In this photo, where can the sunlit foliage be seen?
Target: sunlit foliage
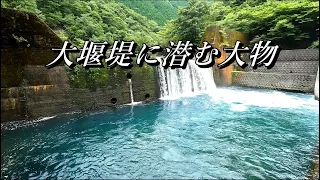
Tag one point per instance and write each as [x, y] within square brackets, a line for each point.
[291, 24]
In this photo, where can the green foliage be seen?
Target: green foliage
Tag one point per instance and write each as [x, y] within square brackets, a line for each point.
[79, 77]
[288, 23]
[240, 2]
[168, 33]
[193, 20]
[23, 5]
[291, 24]
[178, 4]
[159, 11]
[89, 78]
[314, 45]
[190, 25]
[94, 20]
[97, 20]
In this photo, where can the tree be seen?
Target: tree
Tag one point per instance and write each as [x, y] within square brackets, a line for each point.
[191, 23]
[23, 5]
[290, 24]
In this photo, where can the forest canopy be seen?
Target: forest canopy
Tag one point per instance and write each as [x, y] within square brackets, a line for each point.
[290, 23]
[95, 20]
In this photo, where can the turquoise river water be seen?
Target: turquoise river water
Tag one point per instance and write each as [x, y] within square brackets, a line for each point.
[235, 133]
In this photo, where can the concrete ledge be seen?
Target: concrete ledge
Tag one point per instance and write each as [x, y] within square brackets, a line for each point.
[289, 67]
[31, 102]
[291, 82]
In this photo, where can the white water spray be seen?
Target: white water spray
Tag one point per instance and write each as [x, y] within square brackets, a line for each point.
[185, 82]
[131, 91]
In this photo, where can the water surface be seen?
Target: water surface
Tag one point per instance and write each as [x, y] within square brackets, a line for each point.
[233, 133]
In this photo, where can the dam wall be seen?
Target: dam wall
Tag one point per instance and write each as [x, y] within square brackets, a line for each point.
[295, 70]
[29, 90]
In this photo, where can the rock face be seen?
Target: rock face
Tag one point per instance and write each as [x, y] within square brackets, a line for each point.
[29, 90]
[316, 87]
[219, 38]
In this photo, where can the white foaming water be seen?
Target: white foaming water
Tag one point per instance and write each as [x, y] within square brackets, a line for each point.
[193, 80]
[240, 99]
[131, 91]
[24, 123]
[134, 103]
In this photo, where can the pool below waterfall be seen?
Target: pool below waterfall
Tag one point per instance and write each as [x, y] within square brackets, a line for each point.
[234, 133]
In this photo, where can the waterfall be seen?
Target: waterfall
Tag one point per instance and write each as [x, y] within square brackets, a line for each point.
[131, 91]
[185, 82]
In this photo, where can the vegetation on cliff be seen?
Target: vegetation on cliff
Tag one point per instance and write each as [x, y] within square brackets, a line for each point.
[291, 24]
[95, 20]
[159, 11]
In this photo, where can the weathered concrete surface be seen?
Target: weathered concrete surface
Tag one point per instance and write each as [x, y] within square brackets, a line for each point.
[26, 44]
[29, 90]
[47, 92]
[295, 70]
[25, 40]
[316, 87]
[291, 82]
[30, 102]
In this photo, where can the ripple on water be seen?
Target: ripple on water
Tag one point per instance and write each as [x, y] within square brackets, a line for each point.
[240, 133]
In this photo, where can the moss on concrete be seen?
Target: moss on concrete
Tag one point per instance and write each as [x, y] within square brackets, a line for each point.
[25, 40]
[29, 90]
